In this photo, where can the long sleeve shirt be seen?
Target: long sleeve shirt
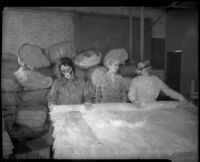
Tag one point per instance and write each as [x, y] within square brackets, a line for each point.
[111, 90]
[147, 88]
[65, 92]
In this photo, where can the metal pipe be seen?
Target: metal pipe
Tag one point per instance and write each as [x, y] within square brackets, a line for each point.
[142, 32]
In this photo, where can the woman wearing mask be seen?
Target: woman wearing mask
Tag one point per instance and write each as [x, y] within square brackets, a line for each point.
[146, 87]
[112, 88]
[68, 89]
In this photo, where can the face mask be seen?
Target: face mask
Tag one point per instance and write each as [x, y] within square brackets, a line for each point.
[67, 75]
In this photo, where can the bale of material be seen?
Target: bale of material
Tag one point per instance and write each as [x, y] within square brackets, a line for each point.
[9, 98]
[128, 70]
[31, 122]
[59, 50]
[33, 56]
[32, 116]
[9, 57]
[79, 73]
[88, 58]
[32, 80]
[33, 98]
[48, 72]
[9, 85]
[8, 110]
[119, 54]
[8, 68]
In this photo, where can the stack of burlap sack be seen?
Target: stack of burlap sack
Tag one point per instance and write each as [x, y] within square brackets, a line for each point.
[28, 76]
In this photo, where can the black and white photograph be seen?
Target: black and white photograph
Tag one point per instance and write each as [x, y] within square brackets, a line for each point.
[100, 82]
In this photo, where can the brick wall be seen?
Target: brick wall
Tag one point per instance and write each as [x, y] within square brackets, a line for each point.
[44, 28]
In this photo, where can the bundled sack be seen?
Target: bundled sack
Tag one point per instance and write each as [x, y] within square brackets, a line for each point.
[48, 72]
[32, 56]
[32, 80]
[8, 110]
[33, 98]
[119, 54]
[59, 50]
[31, 122]
[128, 70]
[9, 57]
[9, 98]
[88, 58]
[79, 73]
[8, 68]
[9, 85]
[33, 116]
[96, 74]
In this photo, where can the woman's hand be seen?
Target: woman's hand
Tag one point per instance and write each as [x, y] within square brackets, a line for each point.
[51, 107]
[88, 106]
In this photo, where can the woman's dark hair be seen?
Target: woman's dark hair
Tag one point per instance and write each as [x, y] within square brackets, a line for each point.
[66, 62]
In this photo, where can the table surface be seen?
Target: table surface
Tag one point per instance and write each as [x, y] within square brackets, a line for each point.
[165, 129]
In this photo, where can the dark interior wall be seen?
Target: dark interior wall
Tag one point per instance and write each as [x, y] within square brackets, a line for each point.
[106, 32]
[182, 34]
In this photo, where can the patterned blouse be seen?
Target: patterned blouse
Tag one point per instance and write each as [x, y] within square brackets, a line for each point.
[147, 88]
[111, 90]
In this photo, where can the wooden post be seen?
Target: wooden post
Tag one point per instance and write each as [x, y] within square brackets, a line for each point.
[142, 33]
[130, 34]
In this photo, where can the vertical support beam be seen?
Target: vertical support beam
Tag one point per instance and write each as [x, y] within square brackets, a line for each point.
[130, 34]
[142, 32]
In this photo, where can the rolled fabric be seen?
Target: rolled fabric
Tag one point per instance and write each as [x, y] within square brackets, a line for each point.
[88, 58]
[59, 50]
[9, 85]
[119, 54]
[32, 80]
[32, 56]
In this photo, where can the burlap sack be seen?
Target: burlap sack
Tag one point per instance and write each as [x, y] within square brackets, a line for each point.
[59, 50]
[32, 56]
[9, 57]
[33, 98]
[9, 98]
[9, 85]
[88, 58]
[119, 54]
[8, 110]
[32, 116]
[48, 72]
[32, 80]
[8, 68]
